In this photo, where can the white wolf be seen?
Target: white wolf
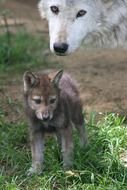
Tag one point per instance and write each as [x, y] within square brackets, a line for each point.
[71, 22]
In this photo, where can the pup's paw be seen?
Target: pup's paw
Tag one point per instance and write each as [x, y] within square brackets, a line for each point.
[68, 166]
[123, 158]
[34, 171]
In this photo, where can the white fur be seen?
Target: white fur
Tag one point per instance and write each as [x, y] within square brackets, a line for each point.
[105, 23]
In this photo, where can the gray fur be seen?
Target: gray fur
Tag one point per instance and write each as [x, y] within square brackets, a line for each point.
[67, 112]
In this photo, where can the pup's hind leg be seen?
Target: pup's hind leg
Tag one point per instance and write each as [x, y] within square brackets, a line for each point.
[82, 134]
[80, 126]
[67, 147]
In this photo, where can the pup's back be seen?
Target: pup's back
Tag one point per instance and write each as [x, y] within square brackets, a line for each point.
[70, 96]
[68, 86]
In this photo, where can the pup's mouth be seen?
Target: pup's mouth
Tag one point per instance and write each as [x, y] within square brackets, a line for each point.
[44, 117]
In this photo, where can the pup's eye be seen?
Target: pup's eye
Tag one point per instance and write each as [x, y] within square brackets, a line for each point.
[52, 100]
[37, 101]
[81, 13]
[54, 9]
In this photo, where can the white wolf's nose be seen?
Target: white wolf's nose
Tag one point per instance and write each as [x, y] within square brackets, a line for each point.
[60, 47]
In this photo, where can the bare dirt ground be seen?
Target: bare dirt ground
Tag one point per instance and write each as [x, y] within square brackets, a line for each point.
[102, 74]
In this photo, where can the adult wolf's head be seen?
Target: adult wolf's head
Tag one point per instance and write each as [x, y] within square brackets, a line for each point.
[69, 22]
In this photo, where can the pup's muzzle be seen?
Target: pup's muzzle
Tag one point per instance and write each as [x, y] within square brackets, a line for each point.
[44, 116]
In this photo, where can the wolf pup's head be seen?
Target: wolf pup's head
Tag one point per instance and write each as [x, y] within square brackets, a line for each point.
[69, 21]
[42, 93]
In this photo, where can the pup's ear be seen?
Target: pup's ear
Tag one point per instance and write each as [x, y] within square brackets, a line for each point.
[42, 8]
[29, 80]
[57, 77]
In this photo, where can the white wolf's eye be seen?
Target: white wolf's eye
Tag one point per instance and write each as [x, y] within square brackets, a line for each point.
[81, 13]
[54, 9]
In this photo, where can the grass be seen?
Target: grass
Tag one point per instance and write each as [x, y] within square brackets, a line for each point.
[22, 52]
[97, 167]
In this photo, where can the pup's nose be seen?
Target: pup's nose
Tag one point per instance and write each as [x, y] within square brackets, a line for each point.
[60, 47]
[45, 116]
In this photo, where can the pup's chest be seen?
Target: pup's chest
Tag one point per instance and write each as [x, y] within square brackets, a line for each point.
[54, 124]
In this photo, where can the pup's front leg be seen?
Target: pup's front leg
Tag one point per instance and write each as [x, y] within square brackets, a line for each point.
[37, 149]
[67, 147]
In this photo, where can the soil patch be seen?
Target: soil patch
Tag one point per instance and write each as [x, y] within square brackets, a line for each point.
[102, 74]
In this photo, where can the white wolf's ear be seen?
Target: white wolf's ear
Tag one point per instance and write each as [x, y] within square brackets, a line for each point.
[29, 80]
[57, 77]
[42, 8]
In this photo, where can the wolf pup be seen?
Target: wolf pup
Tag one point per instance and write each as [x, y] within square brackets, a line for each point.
[52, 105]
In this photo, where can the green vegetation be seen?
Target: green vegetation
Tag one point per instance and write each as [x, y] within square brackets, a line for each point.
[97, 167]
[22, 51]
